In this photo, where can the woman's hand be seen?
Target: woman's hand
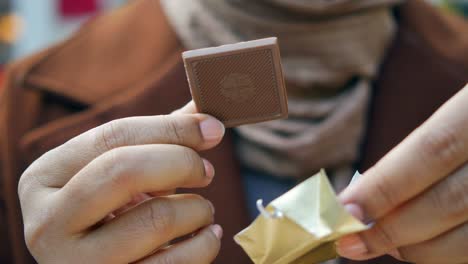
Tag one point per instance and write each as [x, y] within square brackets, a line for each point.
[417, 195]
[102, 197]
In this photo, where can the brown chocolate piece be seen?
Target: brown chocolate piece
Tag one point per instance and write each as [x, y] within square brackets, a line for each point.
[239, 83]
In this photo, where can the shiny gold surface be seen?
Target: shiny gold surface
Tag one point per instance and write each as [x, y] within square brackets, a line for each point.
[313, 220]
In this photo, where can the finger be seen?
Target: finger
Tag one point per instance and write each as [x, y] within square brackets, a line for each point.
[142, 197]
[202, 249]
[450, 247]
[113, 179]
[189, 108]
[431, 214]
[136, 200]
[162, 193]
[140, 231]
[197, 131]
[431, 152]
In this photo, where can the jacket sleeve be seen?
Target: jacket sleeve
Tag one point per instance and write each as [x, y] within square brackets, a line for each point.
[113, 52]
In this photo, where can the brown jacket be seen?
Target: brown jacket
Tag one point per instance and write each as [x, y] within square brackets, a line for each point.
[127, 63]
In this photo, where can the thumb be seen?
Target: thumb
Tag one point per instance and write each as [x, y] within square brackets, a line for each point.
[189, 108]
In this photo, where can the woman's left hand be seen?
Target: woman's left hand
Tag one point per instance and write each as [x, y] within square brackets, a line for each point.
[417, 195]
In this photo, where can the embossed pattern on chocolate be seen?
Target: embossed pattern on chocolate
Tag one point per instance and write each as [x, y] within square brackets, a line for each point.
[238, 83]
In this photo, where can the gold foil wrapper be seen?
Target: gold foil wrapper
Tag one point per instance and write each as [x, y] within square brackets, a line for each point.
[310, 219]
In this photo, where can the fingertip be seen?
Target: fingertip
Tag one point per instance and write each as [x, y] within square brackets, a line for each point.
[212, 208]
[351, 247]
[212, 129]
[355, 210]
[209, 170]
[217, 230]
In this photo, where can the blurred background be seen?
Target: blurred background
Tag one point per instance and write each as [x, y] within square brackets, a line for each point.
[458, 6]
[27, 26]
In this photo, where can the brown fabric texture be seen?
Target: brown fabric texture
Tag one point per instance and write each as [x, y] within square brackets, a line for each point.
[127, 63]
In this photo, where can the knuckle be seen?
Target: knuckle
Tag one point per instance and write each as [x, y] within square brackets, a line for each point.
[173, 129]
[192, 163]
[450, 198]
[407, 254]
[385, 195]
[35, 232]
[24, 183]
[441, 146]
[181, 129]
[32, 235]
[114, 164]
[33, 177]
[437, 199]
[381, 239]
[160, 218]
[114, 134]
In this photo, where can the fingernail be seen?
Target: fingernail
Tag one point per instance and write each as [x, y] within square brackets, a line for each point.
[355, 210]
[211, 129]
[351, 246]
[212, 207]
[209, 169]
[217, 231]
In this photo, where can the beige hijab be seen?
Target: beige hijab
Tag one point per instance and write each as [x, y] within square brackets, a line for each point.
[331, 51]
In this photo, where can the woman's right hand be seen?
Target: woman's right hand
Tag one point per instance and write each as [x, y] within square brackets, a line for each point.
[105, 195]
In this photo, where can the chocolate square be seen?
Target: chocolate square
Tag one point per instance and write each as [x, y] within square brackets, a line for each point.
[238, 83]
